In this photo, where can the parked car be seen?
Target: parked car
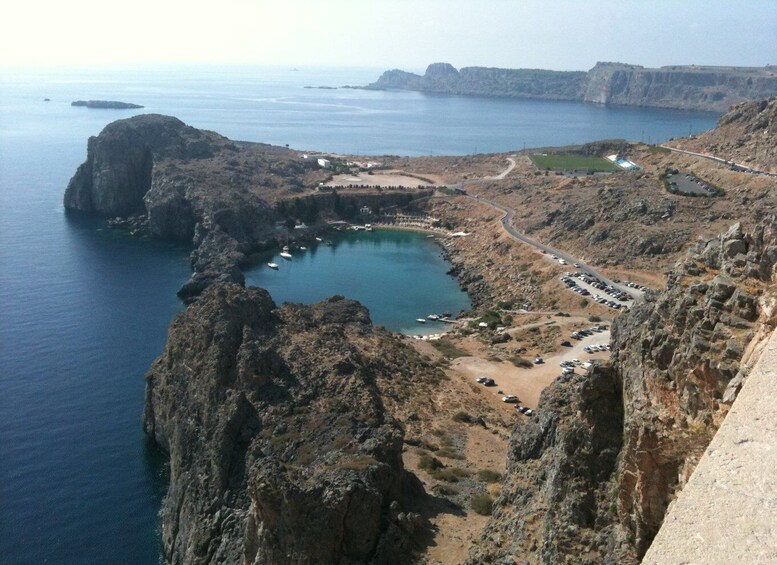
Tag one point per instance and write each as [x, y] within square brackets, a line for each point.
[538, 360]
[481, 379]
[510, 398]
[565, 343]
[489, 382]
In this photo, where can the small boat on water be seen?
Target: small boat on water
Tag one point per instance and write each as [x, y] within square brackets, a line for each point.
[273, 265]
[420, 320]
[303, 248]
[286, 255]
[286, 248]
[432, 317]
[319, 239]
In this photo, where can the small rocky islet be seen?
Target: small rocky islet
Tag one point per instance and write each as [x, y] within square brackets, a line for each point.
[281, 424]
[106, 104]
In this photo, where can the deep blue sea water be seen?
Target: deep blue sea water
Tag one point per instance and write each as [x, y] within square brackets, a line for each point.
[84, 311]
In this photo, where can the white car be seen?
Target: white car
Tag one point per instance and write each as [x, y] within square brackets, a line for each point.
[510, 398]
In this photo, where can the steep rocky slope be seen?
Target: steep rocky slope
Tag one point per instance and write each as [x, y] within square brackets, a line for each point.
[689, 87]
[590, 478]
[744, 135]
[281, 450]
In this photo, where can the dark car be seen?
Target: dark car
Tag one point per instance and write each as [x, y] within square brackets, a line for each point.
[566, 344]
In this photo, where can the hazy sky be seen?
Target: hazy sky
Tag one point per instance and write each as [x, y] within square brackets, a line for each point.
[555, 34]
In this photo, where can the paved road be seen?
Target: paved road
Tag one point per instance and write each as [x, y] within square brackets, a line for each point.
[508, 226]
[746, 168]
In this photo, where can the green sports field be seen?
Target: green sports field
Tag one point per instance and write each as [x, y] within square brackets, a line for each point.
[573, 162]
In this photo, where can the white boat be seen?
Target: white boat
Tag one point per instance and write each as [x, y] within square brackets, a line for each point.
[432, 317]
[286, 255]
[420, 320]
[319, 239]
[303, 248]
[286, 248]
[273, 265]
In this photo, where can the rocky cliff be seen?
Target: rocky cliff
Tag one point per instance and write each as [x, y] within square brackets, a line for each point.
[687, 87]
[590, 478]
[281, 450]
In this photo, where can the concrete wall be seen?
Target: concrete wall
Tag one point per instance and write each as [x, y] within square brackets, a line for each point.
[727, 513]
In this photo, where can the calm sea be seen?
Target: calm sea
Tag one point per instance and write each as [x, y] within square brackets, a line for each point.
[85, 310]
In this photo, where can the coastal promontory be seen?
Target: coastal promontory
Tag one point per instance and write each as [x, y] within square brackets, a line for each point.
[688, 87]
[162, 177]
[281, 449]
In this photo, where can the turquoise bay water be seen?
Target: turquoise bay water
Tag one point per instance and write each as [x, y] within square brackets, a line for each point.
[398, 275]
[85, 311]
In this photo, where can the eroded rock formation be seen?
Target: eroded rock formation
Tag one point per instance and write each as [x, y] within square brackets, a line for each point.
[281, 450]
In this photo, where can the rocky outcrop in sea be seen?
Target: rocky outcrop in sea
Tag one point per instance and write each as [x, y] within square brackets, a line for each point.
[281, 450]
[590, 478]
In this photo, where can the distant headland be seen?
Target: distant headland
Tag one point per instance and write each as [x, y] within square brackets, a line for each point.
[688, 87]
[106, 104]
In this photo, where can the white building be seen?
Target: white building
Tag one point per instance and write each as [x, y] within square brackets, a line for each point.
[324, 163]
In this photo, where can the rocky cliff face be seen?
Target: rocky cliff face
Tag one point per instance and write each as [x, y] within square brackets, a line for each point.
[592, 483]
[281, 450]
[688, 87]
[697, 88]
[119, 162]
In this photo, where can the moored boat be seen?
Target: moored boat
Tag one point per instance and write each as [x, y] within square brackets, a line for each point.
[286, 255]
[420, 320]
[273, 265]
